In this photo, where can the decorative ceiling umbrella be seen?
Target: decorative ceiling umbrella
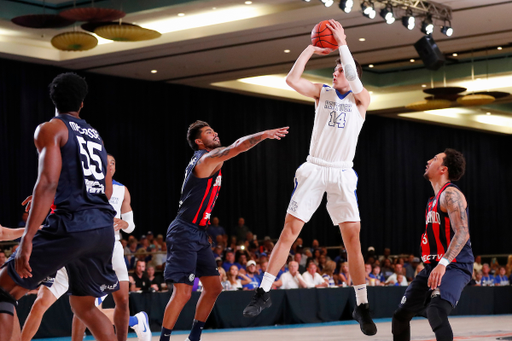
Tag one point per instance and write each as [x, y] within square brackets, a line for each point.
[74, 41]
[125, 32]
[42, 20]
[92, 14]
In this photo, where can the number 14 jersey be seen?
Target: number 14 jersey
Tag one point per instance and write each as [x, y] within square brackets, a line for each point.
[337, 126]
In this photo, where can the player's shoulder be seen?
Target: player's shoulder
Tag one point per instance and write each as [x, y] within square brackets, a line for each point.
[117, 183]
[452, 195]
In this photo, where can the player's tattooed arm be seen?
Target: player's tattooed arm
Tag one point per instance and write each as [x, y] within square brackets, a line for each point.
[455, 204]
[244, 144]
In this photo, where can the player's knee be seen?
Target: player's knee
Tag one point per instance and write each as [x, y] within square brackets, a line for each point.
[7, 303]
[182, 292]
[401, 320]
[437, 314]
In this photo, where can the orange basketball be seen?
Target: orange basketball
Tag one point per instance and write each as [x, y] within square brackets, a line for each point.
[321, 36]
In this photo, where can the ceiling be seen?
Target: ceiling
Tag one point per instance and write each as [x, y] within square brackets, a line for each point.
[232, 46]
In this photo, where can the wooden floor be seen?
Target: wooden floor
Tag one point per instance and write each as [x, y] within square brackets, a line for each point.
[474, 328]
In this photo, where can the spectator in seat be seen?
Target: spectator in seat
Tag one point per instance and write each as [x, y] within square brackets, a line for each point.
[487, 278]
[235, 280]
[501, 278]
[508, 267]
[252, 274]
[229, 261]
[155, 280]
[292, 279]
[376, 275]
[139, 281]
[313, 278]
[394, 278]
[343, 277]
[477, 265]
[328, 273]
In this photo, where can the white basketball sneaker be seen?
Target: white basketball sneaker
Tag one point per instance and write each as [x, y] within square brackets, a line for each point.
[142, 327]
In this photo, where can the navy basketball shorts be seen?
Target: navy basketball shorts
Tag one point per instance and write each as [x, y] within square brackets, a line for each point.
[189, 254]
[86, 255]
[417, 295]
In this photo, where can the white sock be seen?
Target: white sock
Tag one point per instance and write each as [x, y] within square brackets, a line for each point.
[267, 281]
[361, 294]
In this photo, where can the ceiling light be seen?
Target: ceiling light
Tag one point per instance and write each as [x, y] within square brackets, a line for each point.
[447, 30]
[306, 0]
[286, 51]
[327, 3]
[154, 71]
[487, 113]
[454, 54]
[427, 26]
[500, 48]
[346, 5]
[362, 39]
[368, 9]
[409, 21]
[248, 2]
[423, 85]
[387, 14]
[181, 14]
[412, 60]
[370, 66]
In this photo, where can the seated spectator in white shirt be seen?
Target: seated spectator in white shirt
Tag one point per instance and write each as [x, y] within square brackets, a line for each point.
[235, 280]
[313, 278]
[328, 273]
[501, 278]
[291, 279]
[393, 279]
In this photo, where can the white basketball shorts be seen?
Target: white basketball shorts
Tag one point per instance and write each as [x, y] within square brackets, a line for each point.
[312, 181]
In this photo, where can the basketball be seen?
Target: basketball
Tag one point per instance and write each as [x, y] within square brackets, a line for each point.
[321, 36]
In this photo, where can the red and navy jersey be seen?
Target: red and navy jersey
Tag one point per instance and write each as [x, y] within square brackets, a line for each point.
[198, 195]
[80, 203]
[438, 233]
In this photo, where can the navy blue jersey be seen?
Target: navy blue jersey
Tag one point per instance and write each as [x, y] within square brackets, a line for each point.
[439, 233]
[80, 202]
[198, 195]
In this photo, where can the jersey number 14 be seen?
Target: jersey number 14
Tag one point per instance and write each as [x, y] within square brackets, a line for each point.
[337, 119]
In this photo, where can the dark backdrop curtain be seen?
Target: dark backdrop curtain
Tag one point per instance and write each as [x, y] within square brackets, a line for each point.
[144, 126]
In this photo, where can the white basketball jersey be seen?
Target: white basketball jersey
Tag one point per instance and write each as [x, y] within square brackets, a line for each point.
[337, 126]
[116, 200]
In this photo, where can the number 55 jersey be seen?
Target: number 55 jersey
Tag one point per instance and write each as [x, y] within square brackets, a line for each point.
[80, 202]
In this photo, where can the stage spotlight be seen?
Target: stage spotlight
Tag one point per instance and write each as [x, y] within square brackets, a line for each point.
[346, 5]
[447, 30]
[387, 14]
[427, 26]
[368, 9]
[327, 3]
[409, 21]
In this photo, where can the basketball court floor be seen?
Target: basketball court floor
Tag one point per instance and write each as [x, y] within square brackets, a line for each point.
[473, 328]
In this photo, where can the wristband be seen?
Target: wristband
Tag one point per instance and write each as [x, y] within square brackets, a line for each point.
[444, 261]
[128, 217]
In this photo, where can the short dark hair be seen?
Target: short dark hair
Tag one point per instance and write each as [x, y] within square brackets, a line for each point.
[358, 67]
[194, 131]
[68, 91]
[455, 162]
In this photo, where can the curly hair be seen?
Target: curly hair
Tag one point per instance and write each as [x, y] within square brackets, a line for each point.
[455, 162]
[194, 131]
[68, 91]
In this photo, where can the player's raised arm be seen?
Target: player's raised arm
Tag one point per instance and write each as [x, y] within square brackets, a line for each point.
[241, 145]
[294, 78]
[349, 66]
